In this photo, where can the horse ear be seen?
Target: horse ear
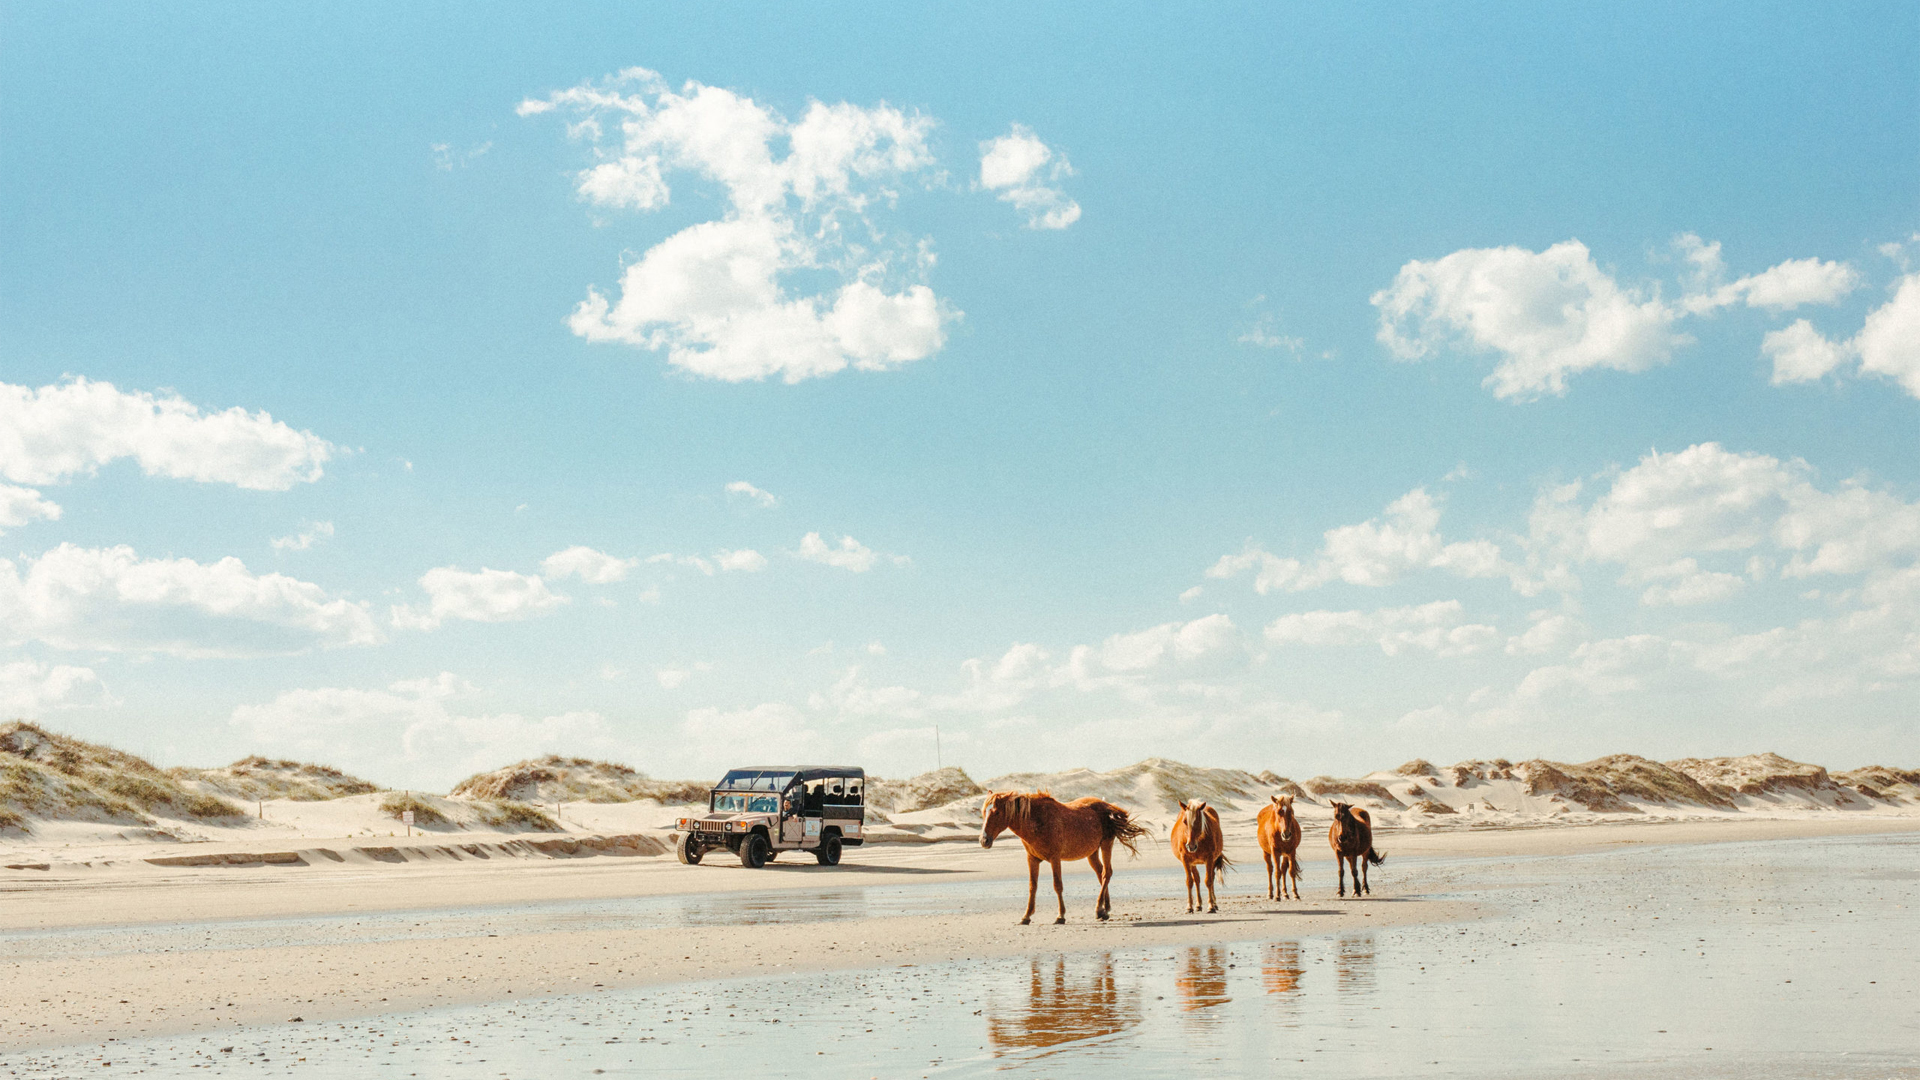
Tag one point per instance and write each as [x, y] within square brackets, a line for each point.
[1183, 804]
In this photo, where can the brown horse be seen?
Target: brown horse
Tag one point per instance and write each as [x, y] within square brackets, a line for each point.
[1351, 835]
[1279, 833]
[1053, 830]
[1198, 842]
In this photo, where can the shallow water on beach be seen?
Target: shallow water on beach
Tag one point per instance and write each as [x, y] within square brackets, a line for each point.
[1777, 958]
[834, 904]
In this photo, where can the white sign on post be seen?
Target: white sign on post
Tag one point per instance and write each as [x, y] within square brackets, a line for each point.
[406, 816]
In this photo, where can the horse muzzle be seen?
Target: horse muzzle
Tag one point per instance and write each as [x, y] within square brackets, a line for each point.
[986, 841]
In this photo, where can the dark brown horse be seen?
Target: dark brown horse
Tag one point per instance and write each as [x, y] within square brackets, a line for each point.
[1198, 842]
[1053, 830]
[1351, 835]
[1279, 834]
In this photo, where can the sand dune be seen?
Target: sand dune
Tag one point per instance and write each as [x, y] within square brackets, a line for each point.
[57, 792]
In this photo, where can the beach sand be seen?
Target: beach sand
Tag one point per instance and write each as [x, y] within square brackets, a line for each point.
[110, 952]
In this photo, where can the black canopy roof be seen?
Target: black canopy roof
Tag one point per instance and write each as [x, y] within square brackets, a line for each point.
[805, 772]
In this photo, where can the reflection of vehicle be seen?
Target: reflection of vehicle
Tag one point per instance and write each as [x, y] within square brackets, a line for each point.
[757, 812]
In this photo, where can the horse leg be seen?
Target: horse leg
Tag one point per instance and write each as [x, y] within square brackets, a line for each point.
[1339, 861]
[1213, 903]
[1283, 878]
[1033, 886]
[1268, 855]
[1099, 875]
[1059, 893]
[1293, 867]
[1360, 867]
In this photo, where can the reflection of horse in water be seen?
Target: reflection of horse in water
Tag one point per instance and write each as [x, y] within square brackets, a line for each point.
[1279, 834]
[1198, 842]
[1053, 830]
[1282, 968]
[1063, 1007]
[1202, 981]
[1351, 835]
[1353, 964]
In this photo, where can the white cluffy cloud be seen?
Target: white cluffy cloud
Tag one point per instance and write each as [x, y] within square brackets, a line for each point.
[413, 732]
[590, 566]
[849, 554]
[1024, 171]
[1551, 314]
[1374, 553]
[52, 433]
[1781, 287]
[753, 494]
[715, 296]
[31, 687]
[314, 533]
[477, 596]
[1439, 628]
[1888, 344]
[1665, 520]
[110, 599]
[19, 506]
[1545, 314]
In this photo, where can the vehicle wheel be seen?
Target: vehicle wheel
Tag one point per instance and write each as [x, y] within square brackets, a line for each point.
[754, 851]
[828, 852]
[688, 852]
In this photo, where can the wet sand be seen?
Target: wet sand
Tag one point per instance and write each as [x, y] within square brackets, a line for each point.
[137, 952]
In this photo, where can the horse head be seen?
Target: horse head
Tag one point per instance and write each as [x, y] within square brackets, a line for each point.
[1195, 815]
[998, 814]
[1283, 805]
[1342, 812]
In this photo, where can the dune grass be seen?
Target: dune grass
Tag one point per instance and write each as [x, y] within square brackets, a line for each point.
[512, 814]
[424, 813]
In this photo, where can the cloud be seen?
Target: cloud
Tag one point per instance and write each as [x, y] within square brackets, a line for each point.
[412, 729]
[1545, 315]
[305, 538]
[55, 432]
[590, 566]
[1778, 288]
[746, 560]
[1374, 553]
[1437, 628]
[1800, 354]
[747, 491]
[1659, 518]
[20, 506]
[777, 731]
[32, 687]
[110, 599]
[851, 554]
[480, 596]
[1024, 171]
[715, 296]
[1548, 633]
[1889, 343]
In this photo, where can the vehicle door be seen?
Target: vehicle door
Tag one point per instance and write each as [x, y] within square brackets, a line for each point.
[793, 821]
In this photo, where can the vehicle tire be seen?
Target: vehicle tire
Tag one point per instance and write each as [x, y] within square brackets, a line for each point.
[754, 851]
[688, 852]
[829, 851]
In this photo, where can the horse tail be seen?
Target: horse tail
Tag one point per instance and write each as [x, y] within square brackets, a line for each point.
[1222, 864]
[1115, 824]
[1375, 857]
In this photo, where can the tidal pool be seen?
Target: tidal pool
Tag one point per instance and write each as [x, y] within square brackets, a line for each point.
[1772, 959]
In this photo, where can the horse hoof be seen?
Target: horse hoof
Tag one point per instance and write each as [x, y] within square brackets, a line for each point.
[1061, 921]
[1024, 922]
[1102, 916]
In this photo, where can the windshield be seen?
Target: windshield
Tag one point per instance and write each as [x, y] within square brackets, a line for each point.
[724, 803]
[754, 780]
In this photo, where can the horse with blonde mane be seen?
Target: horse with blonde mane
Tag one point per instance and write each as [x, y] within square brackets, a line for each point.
[1279, 833]
[1052, 831]
[1351, 835]
[1198, 842]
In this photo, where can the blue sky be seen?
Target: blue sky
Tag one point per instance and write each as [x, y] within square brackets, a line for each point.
[1203, 385]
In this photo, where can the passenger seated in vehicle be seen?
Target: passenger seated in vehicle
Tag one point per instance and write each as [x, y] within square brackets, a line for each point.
[853, 793]
[835, 796]
[816, 795]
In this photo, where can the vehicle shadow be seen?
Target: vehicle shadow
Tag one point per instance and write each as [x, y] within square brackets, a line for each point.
[856, 868]
[1190, 922]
